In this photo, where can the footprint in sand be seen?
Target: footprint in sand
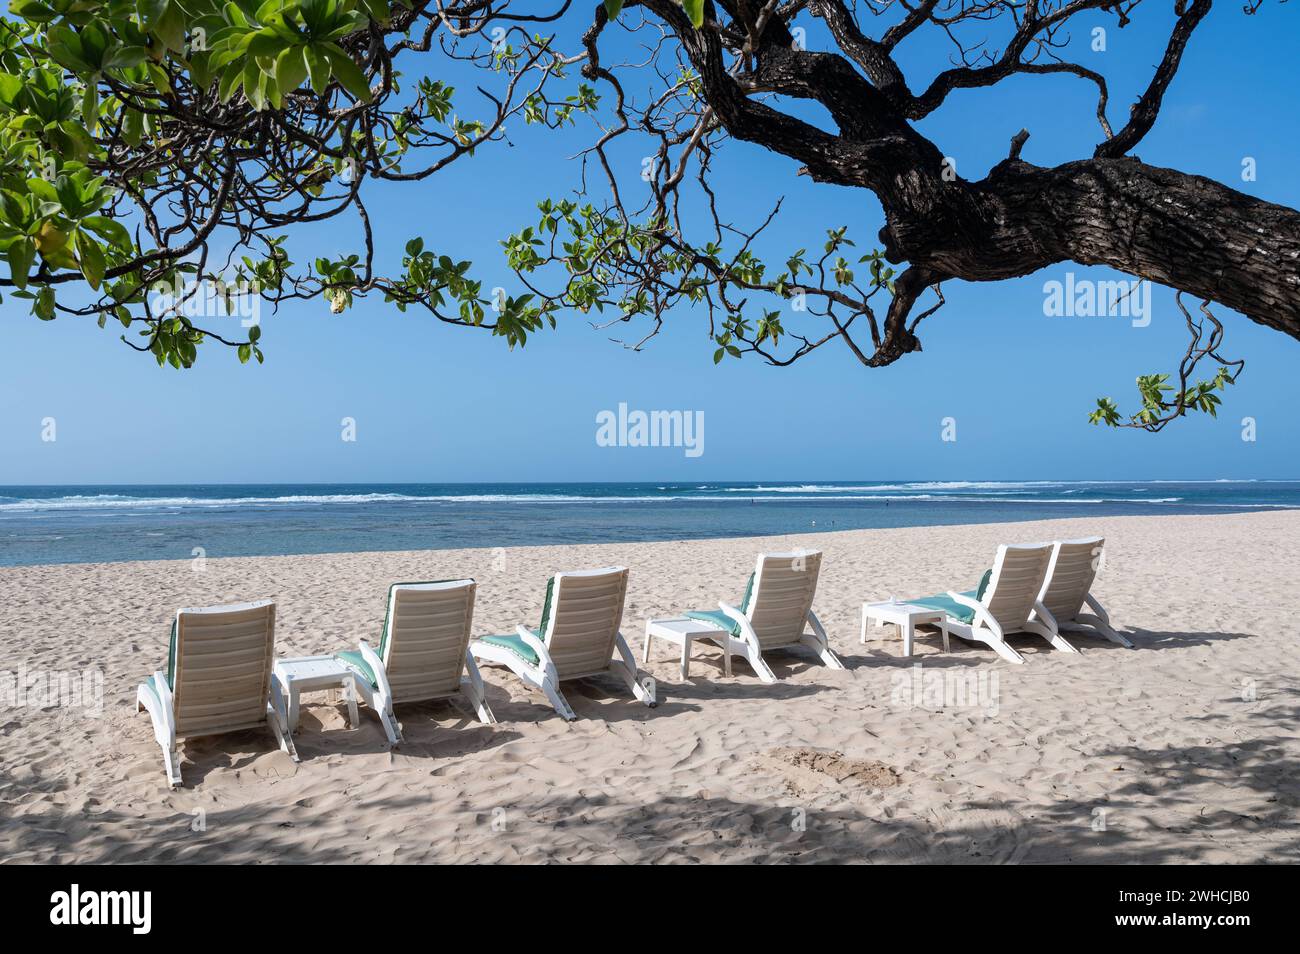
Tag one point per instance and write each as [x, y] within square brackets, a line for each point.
[821, 765]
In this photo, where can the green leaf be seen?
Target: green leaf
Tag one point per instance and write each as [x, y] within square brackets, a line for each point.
[695, 10]
[92, 258]
[21, 255]
[43, 190]
[170, 27]
[290, 69]
[230, 81]
[613, 8]
[33, 10]
[10, 87]
[318, 65]
[234, 15]
[90, 108]
[113, 232]
[133, 126]
[44, 306]
[347, 72]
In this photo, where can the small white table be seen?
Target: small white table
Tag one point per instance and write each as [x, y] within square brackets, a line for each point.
[312, 673]
[682, 631]
[906, 617]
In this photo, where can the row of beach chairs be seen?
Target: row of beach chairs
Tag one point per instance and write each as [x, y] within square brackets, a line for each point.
[219, 668]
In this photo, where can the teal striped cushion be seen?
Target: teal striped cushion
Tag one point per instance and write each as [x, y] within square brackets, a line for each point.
[947, 604]
[516, 646]
[358, 662]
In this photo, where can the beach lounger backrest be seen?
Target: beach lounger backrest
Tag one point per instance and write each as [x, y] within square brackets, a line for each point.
[583, 612]
[425, 636]
[219, 667]
[1017, 579]
[1070, 574]
[783, 589]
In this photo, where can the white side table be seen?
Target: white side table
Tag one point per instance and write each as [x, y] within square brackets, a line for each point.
[311, 673]
[906, 617]
[682, 631]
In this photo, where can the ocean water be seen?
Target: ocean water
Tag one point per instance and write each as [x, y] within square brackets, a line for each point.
[107, 523]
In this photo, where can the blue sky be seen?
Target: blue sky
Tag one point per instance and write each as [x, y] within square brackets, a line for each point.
[436, 403]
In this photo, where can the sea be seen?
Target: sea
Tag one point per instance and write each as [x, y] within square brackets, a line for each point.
[93, 524]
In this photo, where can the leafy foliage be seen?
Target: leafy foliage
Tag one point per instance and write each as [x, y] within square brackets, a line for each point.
[176, 145]
[1162, 401]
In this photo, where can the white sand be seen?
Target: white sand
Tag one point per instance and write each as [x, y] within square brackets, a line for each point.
[1158, 742]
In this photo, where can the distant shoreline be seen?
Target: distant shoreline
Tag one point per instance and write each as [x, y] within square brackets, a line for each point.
[50, 526]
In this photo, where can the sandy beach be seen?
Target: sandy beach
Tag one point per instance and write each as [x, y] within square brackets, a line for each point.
[1182, 750]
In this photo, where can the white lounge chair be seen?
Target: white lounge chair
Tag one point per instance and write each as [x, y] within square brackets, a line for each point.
[218, 680]
[1065, 593]
[423, 652]
[773, 614]
[1005, 602]
[578, 637]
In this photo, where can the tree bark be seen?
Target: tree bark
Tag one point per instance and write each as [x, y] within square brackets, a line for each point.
[1176, 229]
[1180, 230]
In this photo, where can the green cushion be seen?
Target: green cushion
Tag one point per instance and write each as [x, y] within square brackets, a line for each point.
[984, 584]
[171, 658]
[358, 662]
[546, 608]
[718, 619]
[957, 611]
[516, 646]
[721, 619]
[749, 591]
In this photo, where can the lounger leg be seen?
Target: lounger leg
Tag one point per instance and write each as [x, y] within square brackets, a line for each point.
[754, 656]
[557, 700]
[641, 684]
[820, 642]
[1113, 634]
[275, 719]
[1052, 636]
[994, 639]
[645, 650]
[291, 697]
[172, 766]
[391, 728]
[473, 685]
[1000, 647]
[147, 701]
[350, 689]
[1101, 622]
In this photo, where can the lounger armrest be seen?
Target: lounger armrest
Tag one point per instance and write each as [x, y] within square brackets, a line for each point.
[741, 620]
[981, 611]
[537, 646]
[377, 667]
[965, 600]
[732, 611]
[164, 692]
[164, 723]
